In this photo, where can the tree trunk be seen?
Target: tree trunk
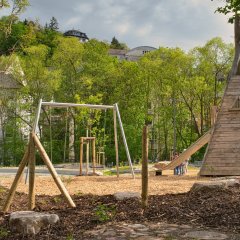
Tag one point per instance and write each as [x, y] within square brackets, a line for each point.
[235, 67]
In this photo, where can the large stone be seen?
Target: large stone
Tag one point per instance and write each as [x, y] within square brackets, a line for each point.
[216, 184]
[30, 222]
[206, 235]
[126, 195]
[231, 182]
[206, 186]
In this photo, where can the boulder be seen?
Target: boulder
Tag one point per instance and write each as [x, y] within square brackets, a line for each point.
[214, 185]
[30, 222]
[126, 195]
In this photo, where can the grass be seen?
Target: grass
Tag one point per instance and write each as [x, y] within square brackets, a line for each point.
[3, 232]
[113, 171]
[105, 212]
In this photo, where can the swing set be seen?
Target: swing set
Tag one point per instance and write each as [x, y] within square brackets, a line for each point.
[35, 144]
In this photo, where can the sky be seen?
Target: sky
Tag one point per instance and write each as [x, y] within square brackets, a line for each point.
[156, 23]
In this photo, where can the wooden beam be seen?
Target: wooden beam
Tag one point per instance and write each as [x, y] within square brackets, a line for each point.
[94, 155]
[145, 167]
[53, 172]
[16, 180]
[81, 156]
[31, 165]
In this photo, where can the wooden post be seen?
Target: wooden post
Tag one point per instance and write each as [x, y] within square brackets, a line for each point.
[103, 160]
[81, 156]
[213, 113]
[16, 180]
[31, 164]
[94, 155]
[145, 167]
[115, 140]
[53, 172]
[87, 156]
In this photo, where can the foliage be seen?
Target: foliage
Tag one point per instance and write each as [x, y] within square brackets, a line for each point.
[231, 7]
[172, 89]
[18, 6]
[115, 44]
[3, 232]
[105, 212]
[53, 25]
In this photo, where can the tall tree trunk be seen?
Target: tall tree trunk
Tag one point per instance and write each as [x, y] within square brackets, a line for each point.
[235, 67]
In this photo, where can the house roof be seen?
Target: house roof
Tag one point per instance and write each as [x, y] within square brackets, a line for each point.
[117, 51]
[7, 81]
[76, 33]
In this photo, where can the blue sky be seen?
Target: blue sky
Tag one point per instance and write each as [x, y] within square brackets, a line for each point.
[168, 23]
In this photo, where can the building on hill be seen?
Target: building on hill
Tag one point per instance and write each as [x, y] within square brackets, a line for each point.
[119, 53]
[135, 53]
[131, 55]
[7, 81]
[76, 33]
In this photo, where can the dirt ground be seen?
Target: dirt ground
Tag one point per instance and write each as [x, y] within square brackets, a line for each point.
[104, 185]
[169, 202]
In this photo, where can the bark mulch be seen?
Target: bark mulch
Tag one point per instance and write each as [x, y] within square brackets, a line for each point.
[215, 209]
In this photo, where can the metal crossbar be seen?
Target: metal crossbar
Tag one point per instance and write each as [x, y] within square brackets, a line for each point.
[92, 106]
[116, 114]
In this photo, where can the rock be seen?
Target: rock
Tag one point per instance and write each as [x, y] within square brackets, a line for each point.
[206, 186]
[216, 184]
[30, 222]
[126, 195]
[205, 235]
[229, 182]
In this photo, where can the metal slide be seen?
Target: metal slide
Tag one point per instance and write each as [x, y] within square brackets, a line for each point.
[204, 139]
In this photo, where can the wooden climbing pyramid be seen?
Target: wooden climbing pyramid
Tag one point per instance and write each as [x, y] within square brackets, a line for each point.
[222, 157]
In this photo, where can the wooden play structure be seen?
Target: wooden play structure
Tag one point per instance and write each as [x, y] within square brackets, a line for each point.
[86, 141]
[222, 157]
[34, 145]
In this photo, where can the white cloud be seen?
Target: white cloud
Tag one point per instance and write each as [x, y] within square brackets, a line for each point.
[122, 28]
[73, 21]
[183, 23]
[83, 8]
[144, 31]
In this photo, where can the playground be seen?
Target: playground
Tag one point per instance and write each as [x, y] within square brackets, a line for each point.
[98, 212]
[103, 146]
[104, 185]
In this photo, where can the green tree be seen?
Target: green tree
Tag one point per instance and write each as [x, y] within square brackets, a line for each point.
[18, 6]
[115, 44]
[233, 7]
[42, 80]
[53, 25]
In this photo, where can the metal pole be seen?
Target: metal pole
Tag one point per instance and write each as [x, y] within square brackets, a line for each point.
[124, 139]
[34, 129]
[92, 106]
[37, 116]
[115, 140]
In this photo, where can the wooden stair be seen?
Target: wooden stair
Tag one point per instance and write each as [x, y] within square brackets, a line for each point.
[222, 157]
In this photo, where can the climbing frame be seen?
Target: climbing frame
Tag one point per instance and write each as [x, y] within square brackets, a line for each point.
[222, 157]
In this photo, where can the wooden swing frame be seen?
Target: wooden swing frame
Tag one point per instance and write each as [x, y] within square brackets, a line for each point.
[35, 144]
